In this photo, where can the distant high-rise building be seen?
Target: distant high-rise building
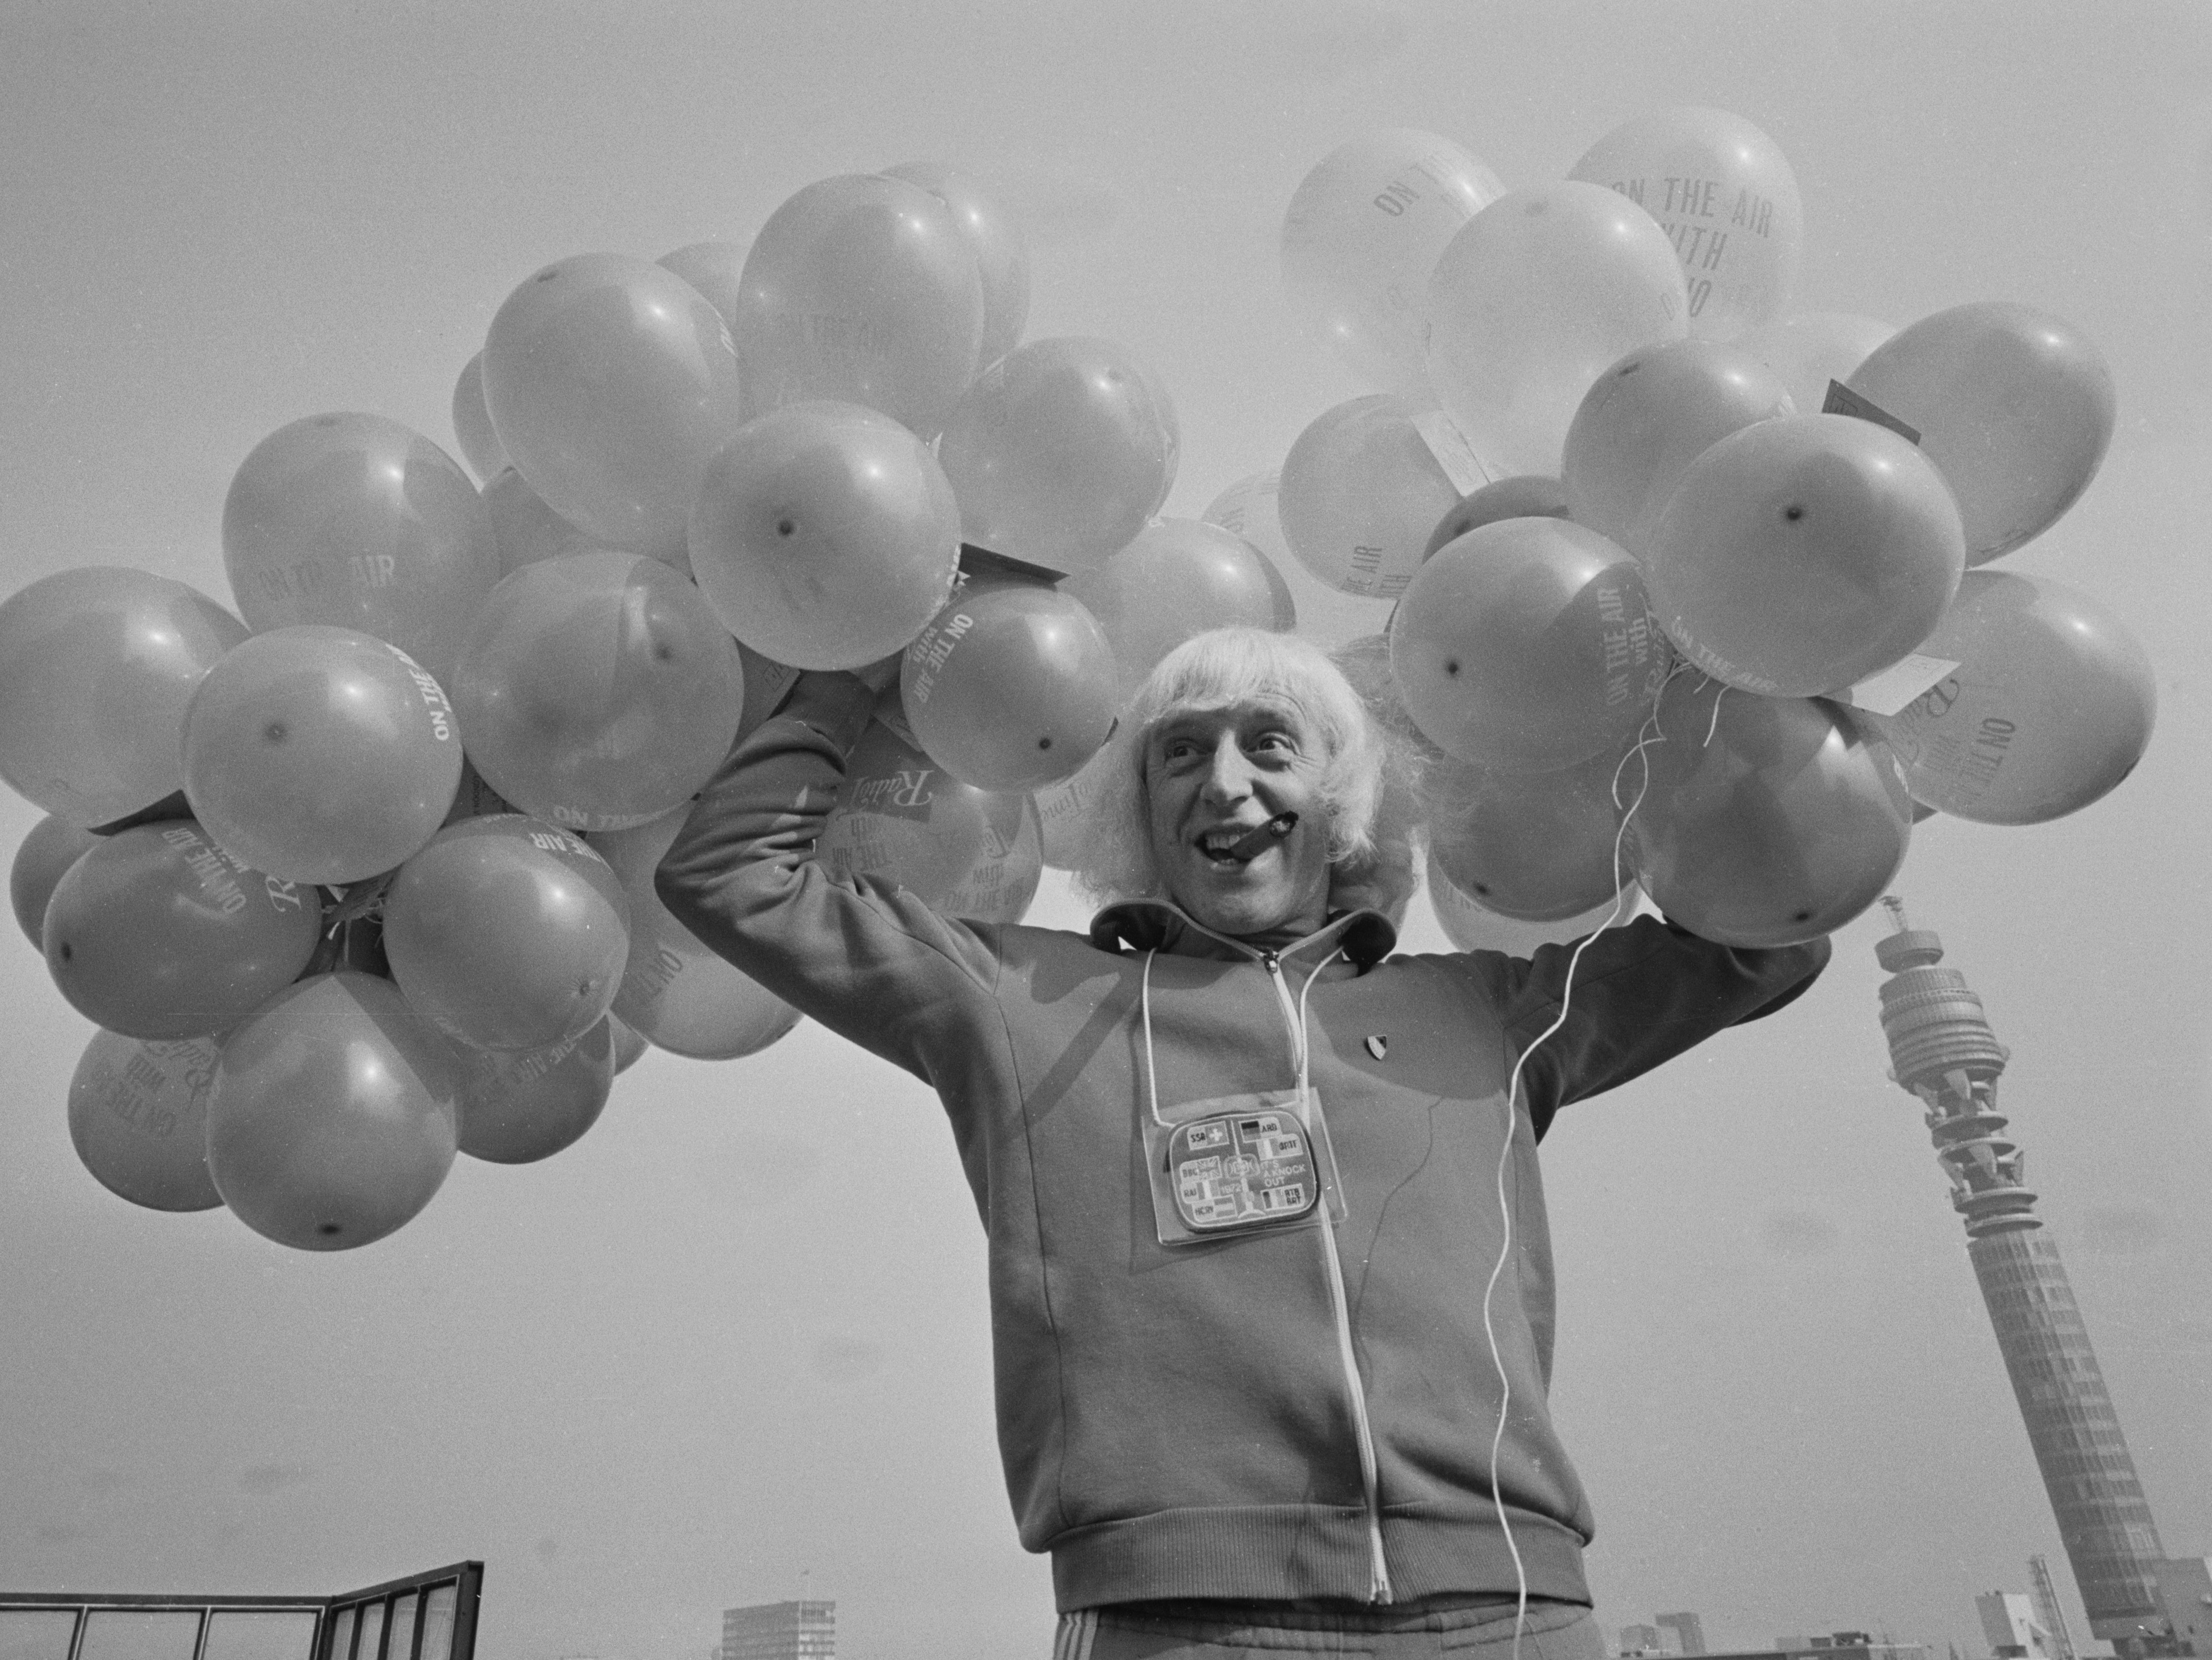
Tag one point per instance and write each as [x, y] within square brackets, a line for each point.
[1689, 1631]
[1942, 1049]
[780, 1631]
[2009, 1622]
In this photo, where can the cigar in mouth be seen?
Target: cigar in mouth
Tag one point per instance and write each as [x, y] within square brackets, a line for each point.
[1250, 845]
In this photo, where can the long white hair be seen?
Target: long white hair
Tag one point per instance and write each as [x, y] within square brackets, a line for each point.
[1367, 773]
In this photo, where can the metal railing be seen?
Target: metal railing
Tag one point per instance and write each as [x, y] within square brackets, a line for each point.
[425, 1616]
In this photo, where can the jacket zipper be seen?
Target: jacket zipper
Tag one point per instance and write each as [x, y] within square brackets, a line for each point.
[1378, 1570]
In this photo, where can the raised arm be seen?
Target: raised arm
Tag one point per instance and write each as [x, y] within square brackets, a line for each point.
[869, 961]
[1641, 995]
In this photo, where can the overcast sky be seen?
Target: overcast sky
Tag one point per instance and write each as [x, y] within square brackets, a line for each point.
[738, 1334]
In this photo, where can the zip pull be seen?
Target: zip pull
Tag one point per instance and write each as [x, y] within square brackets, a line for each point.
[1294, 1020]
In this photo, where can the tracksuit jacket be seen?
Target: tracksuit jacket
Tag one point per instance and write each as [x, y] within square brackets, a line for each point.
[1300, 1410]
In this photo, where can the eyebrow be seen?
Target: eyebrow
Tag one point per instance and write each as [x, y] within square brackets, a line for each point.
[1266, 718]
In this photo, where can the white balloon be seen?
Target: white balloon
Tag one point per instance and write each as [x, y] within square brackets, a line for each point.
[1537, 297]
[1361, 237]
[1727, 201]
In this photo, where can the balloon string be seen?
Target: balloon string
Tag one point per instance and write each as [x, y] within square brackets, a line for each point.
[1715, 725]
[360, 899]
[1648, 734]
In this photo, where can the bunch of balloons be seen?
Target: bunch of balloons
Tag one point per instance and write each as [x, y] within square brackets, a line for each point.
[1705, 615]
[358, 875]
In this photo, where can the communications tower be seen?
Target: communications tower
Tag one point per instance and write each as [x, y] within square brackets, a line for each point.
[1942, 1049]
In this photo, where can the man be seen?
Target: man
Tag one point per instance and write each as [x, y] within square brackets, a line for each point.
[1259, 1316]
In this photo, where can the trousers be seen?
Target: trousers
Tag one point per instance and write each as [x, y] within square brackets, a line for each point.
[1552, 1631]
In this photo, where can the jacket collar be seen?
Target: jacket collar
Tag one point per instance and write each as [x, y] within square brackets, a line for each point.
[1365, 937]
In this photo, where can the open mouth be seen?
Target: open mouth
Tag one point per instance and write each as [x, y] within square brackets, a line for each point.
[1229, 846]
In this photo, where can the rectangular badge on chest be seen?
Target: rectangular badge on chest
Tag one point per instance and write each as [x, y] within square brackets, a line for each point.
[1239, 1165]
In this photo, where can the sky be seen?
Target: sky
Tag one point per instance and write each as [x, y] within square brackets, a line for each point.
[734, 1343]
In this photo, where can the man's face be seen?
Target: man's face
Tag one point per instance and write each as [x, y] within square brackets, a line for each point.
[1214, 776]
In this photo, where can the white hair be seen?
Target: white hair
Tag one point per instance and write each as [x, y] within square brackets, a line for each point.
[1366, 779]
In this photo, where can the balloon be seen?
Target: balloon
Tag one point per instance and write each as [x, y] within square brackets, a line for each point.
[1645, 419]
[1060, 451]
[715, 269]
[597, 690]
[1727, 200]
[2050, 708]
[1803, 554]
[472, 430]
[1470, 928]
[1010, 687]
[1360, 492]
[904, 820]
[1812, 349]
[611, 380]
[320, 754]
[137, 1116]
[53, 845]
[1366, 664]
[1004, 879]
[1526, 646]
[825, 536]
[507, 933]
[1767, 821]
[96, 666]
[159, 933]
[1525, 495]
[516, 1109]
[1326, 615]
[629, 1044]
[2015, 407]
[677, 993]
[1177, 578]
[1532, 300]
[331, 1119]
[529, 533]
[354, 521]
[1062, 820]
[1002, 264]
[1250, 508]
[1363, 234]
[864, 289]
[1536, 847]
[1282, 599]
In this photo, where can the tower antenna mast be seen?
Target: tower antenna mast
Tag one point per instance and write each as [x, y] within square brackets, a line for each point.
[1941, 1049]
